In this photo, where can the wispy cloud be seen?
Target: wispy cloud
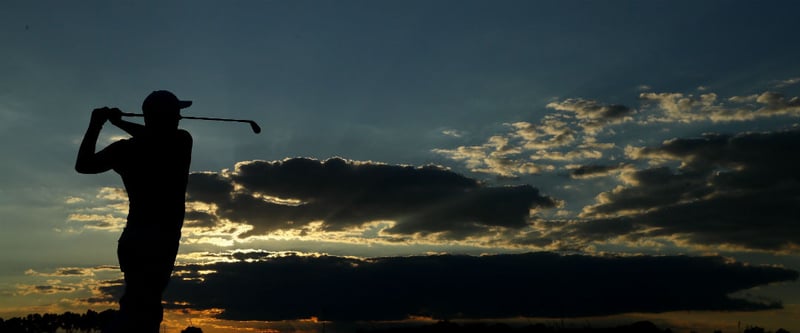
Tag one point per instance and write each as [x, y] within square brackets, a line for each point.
[531, 148]
[56, 288]
[495, 157]
[595, 170]
[453, 133]
[72, 271]
[570, 133]
[592, 115]
[787, 82]
[104, 210]
[688, 108]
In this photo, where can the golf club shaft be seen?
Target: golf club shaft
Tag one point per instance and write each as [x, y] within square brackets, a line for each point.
[253, 124]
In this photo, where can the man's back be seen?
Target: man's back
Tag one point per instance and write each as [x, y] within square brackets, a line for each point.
[154, 170]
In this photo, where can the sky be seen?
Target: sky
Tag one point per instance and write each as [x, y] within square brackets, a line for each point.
[592, 161]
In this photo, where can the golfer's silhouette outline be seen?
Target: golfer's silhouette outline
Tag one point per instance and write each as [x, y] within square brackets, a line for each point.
[154, 166]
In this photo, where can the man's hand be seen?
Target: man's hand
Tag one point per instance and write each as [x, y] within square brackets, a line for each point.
[101, 115]
[89, 161]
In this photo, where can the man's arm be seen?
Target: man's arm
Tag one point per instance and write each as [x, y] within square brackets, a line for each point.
[133, 129]
[88, 161]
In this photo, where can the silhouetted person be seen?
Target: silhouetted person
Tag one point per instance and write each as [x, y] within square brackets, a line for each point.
[154, 166]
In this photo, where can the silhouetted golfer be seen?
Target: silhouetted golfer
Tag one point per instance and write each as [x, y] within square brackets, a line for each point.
[154, 166]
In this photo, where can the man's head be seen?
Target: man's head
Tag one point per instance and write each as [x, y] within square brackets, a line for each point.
[162, 110]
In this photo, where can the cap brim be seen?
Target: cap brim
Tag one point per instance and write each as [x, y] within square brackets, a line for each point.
[184, 104]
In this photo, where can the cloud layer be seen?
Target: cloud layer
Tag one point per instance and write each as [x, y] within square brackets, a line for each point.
[307, 195]
[741, 190]
[687, 108]
[453, 286]
[729, 191]
[570, 133]
[735, 191]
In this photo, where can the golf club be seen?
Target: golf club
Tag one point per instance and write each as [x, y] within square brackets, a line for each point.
[253, 125]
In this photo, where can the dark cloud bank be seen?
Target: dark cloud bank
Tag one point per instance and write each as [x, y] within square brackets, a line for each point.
[459, 286]
[346, 194]
[741, 190]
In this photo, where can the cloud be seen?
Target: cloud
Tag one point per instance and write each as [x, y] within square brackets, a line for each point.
[106, 210]
[594, 170]
[677, 107]
[688, 108]
[554, 139]
[73, 200]
[72, 271]
[593, 115]
[551, 132]
[736, 190]
[453, 133]
[567, 135]
[307, 195]
[572, 155]
[456, 286]
[79, 286]
[497, 156]
[570, 134]
[24, 290]
[106, 292]
[787, 82]
[776, 104]
[110, 222]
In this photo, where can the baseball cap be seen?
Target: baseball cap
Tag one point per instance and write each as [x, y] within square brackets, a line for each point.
[163, 99]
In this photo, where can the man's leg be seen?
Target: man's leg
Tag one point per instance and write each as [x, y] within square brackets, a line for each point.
[140, 306]
[147, 271]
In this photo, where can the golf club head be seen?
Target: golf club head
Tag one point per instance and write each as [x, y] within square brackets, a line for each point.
[255, 127]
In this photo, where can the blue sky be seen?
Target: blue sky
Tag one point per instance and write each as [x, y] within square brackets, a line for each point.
[511, 96]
